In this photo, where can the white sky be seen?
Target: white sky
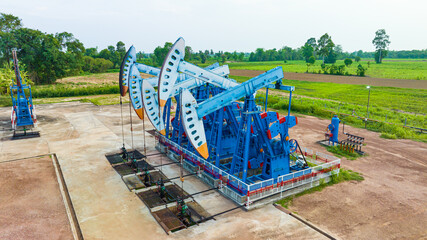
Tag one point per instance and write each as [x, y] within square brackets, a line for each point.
[241, 25]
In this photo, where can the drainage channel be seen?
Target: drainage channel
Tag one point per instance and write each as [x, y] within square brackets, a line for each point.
[172, 207]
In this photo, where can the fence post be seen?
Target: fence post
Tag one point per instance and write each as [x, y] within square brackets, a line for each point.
[405, 120]
[386, 118]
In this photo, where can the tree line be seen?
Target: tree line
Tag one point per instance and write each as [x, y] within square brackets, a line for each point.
[156, 58]
[46, 57]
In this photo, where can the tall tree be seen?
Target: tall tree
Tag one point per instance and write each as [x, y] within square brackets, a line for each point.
[44, 55]
[202, 57]
[188, 53]
[92, 52]
[313, 43]
[8, 23]
[381, 41]
[71, 51]
[259, 52]
[241, 56]
[325, 46]
[338, 51]
[287, 53]
[160, 54]
[307, 52]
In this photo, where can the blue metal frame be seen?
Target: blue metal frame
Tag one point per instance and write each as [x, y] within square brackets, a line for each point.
[22, 105]
[241, 140]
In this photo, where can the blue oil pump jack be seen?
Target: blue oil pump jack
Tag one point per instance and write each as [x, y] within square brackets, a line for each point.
[23, 117]
[254, 145]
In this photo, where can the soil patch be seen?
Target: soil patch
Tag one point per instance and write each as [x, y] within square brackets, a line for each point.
[311, 77]
[31, 205]
[391, 203]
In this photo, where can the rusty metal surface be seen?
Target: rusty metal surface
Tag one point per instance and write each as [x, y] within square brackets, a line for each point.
[117, 157]
[167, 218]
[142, 164]
[175, 191]
[151, 198]
[123, 169]
[133, 182]
[114, 158]
[154, 177]
[126, 168]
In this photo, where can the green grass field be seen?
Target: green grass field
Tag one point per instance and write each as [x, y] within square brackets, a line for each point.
[392, 105]
[394, 69]
[392, 99]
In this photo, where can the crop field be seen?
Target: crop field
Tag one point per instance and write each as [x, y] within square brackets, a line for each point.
[392, 69]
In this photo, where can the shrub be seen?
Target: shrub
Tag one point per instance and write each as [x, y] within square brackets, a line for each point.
[66, 91]
[96, 65]
[388, 135]
[348, 62]
[333, 69]
[6, 76]
[360, 70]
[341, 69]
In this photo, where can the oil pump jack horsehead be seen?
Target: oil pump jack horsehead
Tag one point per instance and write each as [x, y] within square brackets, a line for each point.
[141, 91]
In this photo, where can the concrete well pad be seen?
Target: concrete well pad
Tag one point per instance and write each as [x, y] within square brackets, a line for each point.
[82, 134]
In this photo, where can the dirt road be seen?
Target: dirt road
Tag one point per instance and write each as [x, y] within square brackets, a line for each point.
[382, 82]
[391, 203]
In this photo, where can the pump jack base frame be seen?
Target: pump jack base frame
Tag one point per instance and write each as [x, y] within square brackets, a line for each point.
[330, 144]
[19, 134]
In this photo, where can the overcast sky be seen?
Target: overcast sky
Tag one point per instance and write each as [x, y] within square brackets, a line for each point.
[241, 25]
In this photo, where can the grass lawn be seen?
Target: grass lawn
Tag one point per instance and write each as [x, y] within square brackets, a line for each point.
[391, 105]
[392, 99]
[390, 69]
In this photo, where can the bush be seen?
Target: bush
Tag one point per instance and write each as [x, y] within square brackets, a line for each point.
[333, 70]
[96, 65]
[323, 66]
[6, 76]
[360, 70]
[348, 62]
[341, 69]
[51, 91]
[388, 135]
[357, 59]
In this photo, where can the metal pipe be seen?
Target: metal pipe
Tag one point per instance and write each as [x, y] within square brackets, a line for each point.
[266, 98]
